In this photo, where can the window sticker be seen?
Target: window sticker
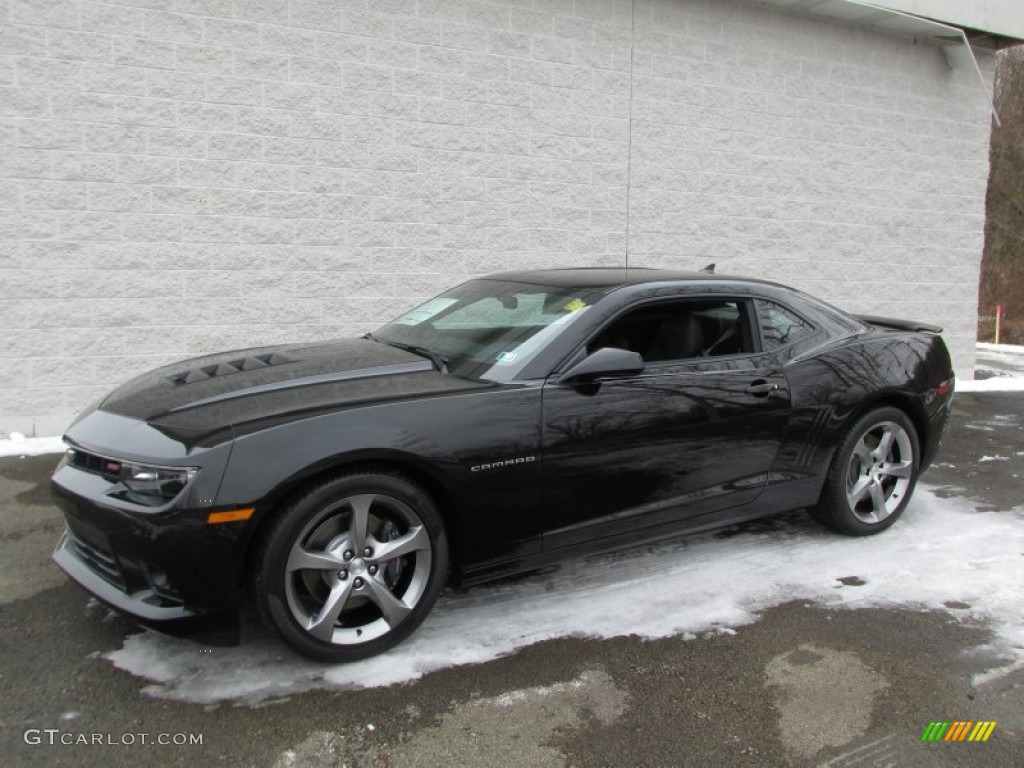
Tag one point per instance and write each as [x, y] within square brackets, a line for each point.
[574, 306]
[425, 311]
[506, 358]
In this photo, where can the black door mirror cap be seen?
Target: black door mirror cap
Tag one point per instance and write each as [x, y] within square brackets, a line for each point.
[603, 362]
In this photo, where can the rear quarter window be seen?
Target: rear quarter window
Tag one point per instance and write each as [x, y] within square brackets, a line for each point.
[780, 326]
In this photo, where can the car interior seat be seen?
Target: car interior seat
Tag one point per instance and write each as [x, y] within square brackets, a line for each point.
[680, 336]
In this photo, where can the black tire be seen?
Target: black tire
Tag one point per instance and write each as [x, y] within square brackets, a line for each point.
[865, 492]
[306, 566]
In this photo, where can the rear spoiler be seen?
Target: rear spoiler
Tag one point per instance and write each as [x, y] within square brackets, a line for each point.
[899, 325]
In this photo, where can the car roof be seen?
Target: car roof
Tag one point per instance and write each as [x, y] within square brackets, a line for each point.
[610, 278]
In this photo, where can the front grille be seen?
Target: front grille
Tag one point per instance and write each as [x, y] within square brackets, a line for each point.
[96, 465]
[99, 560]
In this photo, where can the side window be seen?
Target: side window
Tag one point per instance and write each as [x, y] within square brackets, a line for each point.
[680, 330]
[779, 326]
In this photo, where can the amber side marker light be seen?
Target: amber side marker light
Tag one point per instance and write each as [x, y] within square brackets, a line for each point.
[229, 516]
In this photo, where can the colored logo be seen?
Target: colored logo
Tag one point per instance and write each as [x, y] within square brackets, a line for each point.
[959, 730]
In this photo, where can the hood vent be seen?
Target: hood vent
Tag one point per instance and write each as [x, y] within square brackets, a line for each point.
[223, 369]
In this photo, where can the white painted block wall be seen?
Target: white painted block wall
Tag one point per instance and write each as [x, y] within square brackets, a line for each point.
[180, 175]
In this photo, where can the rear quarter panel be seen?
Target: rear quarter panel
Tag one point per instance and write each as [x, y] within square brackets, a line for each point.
[833, 386]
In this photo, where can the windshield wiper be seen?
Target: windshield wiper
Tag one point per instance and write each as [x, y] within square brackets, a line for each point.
[441, 363]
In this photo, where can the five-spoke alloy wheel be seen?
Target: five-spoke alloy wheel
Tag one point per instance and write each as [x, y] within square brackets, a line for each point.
[352, 566]
[872, 475]
[880, 470]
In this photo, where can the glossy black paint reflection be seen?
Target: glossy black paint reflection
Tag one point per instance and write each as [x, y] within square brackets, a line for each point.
[673, 442]
[525, 472]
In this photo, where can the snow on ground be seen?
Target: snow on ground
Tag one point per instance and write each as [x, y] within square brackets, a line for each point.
[995, 384]
[18, 445]
[1003, 364]
[943, 550]
[1009, 353]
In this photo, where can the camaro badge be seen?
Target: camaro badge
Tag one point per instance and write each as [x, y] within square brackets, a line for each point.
[505, 463]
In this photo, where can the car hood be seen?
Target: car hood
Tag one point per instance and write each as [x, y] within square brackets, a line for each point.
[230, 389]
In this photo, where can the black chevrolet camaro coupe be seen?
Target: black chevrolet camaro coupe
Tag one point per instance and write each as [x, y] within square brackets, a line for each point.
[511, 422]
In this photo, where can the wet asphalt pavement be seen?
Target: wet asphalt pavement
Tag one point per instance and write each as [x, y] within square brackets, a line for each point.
[806, 685]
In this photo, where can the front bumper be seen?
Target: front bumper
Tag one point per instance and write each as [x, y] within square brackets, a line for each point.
[170, 571]
[84, 564]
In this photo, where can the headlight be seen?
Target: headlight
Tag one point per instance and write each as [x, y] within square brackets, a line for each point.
[149, 485]
[154, 486]
[67, 458]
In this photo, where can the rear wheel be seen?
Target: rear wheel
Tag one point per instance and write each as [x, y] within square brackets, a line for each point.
[352, 566]
[872, 475]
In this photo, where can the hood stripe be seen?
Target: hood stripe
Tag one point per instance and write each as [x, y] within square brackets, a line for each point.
[307, 381]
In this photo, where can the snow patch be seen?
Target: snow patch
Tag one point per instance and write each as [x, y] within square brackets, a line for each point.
[994, 674]
[18, 445]
[998, 384]
[1005, 361]
[942, 550]
[1010, 351]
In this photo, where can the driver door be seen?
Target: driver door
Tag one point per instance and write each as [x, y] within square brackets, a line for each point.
[693, 434]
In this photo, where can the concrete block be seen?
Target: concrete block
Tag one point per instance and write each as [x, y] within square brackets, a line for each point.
[234, 90]
[85, 46]
[107, 78]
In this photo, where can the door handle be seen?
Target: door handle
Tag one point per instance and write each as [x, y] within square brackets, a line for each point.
[762, 388]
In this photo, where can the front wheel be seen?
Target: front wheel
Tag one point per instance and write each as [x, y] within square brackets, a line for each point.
[872, 475]
[352, 566]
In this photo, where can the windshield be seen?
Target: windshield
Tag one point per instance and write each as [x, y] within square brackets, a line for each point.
[488, 329]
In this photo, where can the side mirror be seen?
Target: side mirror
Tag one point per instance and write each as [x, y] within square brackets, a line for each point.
[604, 361]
